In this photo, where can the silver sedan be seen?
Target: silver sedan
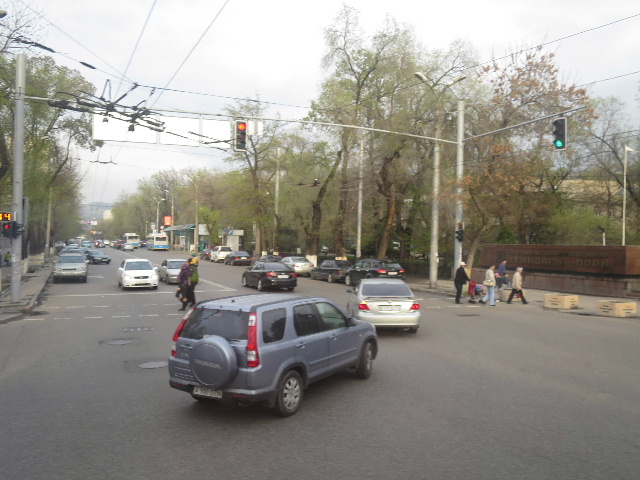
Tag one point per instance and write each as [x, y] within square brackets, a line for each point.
[385, 302]
[170, 268]
[300, 265]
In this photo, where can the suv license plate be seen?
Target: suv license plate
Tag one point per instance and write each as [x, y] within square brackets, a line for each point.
[207, 392]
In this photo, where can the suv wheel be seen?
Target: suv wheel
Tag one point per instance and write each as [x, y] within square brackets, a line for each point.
[330, 279]
[289, 395]
[347, 281]
[365, 365]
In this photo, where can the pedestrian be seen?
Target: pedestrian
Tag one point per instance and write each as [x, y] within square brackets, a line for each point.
[502, 272]
[490, 283]
[183, 284]
[460, 280]
[516, 286]
[193, 281]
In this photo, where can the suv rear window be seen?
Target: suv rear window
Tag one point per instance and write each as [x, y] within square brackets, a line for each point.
[228, 324]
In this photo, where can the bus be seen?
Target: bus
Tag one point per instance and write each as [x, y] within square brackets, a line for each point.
[157, 241]
[131, 238]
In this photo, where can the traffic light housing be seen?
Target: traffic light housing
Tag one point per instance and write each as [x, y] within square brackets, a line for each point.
[7, 229]
[560, 133]
[460, 235]
[16, 229]
[239, 136]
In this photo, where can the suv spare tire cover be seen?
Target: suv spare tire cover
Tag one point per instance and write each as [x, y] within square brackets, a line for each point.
[213, 362]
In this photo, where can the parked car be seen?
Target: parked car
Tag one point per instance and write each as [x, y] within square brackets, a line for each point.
[96, 256]
[169, 269]
[251, 349]
[137, 272]
[331, 270]
[70, 265]
[300, 265]
[373, 268]
[238, 258]
[385, 302]
[218, 253]
[206, 254]
[270, 258]
[263, 275]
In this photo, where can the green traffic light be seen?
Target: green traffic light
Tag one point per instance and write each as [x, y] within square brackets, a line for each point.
[559, 144]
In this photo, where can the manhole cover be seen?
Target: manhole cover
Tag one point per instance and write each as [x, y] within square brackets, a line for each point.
[119, 342]
[153, 365]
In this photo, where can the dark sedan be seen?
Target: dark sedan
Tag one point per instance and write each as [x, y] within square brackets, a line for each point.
[373, 268]
[331, 271]
[238, 258]
[96, 256]
[263, 275]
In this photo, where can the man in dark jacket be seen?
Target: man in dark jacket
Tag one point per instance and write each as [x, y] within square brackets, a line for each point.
[460, 280]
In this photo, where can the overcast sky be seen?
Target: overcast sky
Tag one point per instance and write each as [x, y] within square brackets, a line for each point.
[273, 49]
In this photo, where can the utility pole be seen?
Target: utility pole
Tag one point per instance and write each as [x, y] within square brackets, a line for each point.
[18, 176]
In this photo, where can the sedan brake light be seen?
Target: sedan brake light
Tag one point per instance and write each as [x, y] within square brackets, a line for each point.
[415, 306]
[381, 271]
[363, 306]
[271, 274]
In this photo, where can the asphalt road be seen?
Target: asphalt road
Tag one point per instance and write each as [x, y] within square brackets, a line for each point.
[478, 393]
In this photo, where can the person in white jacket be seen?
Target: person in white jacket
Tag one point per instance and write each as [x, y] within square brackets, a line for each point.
[516, 286]
[490, 284]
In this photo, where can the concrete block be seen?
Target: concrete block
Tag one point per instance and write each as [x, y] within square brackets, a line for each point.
[560, 301]
[616, 308]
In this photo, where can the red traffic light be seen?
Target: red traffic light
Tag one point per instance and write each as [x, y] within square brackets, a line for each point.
[241, 126]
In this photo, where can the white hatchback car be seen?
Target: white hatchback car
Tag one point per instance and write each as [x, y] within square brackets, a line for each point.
[218, 254]
[137, 273]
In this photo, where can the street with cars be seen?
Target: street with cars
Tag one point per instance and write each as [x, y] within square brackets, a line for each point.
[509, 392]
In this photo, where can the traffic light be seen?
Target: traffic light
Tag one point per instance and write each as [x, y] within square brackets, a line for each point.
[16, 229]
[7, 229]
[460, 235]
[239, 136]
[560, 133]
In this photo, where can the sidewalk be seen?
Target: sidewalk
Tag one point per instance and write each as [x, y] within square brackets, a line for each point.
[587, 304]
[34, 283]
[31, 287]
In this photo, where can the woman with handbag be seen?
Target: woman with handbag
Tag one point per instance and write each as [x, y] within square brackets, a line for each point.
[490, 283]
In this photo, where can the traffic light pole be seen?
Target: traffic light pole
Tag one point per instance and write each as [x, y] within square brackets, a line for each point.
[457, 250]
[18, 176]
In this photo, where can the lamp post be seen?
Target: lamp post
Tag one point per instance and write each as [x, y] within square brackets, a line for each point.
[158, 213]
[18, 175]
[435, 202]
[627, 149]
[172, 217]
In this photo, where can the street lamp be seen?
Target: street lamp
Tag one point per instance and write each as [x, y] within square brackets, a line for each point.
[435, 202]
[627, 149]
[172, 217]
[158, 213]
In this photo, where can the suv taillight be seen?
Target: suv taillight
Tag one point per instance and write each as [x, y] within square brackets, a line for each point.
[178, 331]
[253, 358]
[381, 271]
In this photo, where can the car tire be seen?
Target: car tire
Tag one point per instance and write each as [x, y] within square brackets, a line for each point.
[260, 286]
[313, 276]
[289, 394]
[244, 281]
[347, 281]
[290, 289]
[55, 280]
[330, 278]
[365, 364]
[84, 279]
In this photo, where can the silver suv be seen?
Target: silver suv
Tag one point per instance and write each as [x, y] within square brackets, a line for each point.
[70, 265]
[267, 348]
